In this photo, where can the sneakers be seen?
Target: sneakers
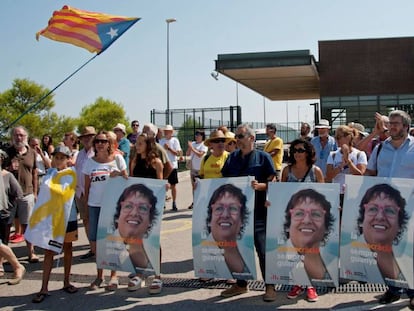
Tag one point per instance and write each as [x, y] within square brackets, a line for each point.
[295, 292]
[234, 291]
[174, 207]
[87, 255]
[311, 294]
[16, 238]
[388, 297]
[270, 294]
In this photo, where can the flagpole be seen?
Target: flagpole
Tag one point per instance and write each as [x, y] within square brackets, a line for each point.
[50, 92]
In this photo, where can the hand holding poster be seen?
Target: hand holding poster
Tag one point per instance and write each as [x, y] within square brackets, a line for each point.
[377, 233]
[129, 225]
[223, 245]
[302, 234]
[50, 215]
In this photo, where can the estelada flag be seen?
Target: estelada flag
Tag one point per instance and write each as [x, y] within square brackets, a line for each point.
[89, 30]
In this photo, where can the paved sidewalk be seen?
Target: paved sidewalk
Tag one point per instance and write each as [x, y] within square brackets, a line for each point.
[181, 291]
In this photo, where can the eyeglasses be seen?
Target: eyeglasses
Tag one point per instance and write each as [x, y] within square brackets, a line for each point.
[314, 214]
[232, 142]
[232, 209]
[100, 141]
[394, 123]
[218, 140]
[299, 150]
[387, 211]
[241, 136]
[135, 124]
[143, 209]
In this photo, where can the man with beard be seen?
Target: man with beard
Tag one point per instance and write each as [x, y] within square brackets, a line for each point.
[22, 163]
[323, 144]
[394, 159]
[305, 131]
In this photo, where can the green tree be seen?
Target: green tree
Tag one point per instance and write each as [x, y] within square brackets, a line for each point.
[104, 114]
[186, 132]
[39, 120]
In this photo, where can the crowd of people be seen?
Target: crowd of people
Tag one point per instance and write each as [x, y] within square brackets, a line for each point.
[314, 158]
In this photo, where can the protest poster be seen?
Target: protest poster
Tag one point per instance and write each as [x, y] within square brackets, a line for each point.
[377, 231]
[302, 237]
[223, 236]
[129, 225]
[50, 215]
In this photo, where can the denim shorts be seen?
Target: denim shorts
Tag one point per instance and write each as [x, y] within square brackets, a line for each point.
[94, 212]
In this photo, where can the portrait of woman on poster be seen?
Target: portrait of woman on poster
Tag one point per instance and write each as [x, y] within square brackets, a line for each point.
[134, 217]
[382, 221]
[308, 223]
[227, 217]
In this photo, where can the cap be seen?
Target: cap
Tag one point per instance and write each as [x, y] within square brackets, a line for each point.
[323, 124]
[168, 127]
[121, 127]
[359, 127]
[214, 135]
[63, 150]
[87, 131]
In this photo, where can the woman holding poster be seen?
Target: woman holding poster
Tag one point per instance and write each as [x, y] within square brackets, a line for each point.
[97, 171]
[146, 164]
[301, 169]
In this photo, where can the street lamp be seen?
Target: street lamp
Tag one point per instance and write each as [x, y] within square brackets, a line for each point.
[168, 21]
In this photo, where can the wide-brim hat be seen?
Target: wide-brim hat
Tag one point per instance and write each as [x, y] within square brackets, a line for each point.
[87, 131]
[214, 135]
[168, 127]
[323, 124]
[121, 127]
[231, 136]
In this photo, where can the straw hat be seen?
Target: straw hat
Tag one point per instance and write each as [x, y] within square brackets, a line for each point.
[168, 128]
[323, 124]
[87, 130]
[214, 135]
[121, 127]
[231, 136]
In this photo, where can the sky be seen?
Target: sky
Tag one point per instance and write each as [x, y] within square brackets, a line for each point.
[133, 71]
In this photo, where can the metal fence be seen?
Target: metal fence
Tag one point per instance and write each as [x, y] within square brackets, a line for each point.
[186, 121]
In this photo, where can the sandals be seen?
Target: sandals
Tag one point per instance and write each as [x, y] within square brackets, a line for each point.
[17, 278]
[39, 297]
[155, 287]
[134, 283]
[70, 289]
[96, 284]
[33, 258]
[112, 285]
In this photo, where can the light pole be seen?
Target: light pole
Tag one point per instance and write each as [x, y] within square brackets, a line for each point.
[167, 116]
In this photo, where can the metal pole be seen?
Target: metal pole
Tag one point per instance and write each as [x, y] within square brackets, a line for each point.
[167, 116]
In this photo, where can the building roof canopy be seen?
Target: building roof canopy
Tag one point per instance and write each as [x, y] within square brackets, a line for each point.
[287, 75]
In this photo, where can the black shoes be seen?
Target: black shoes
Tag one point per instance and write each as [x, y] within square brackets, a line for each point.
[389, 297]
[87, 255]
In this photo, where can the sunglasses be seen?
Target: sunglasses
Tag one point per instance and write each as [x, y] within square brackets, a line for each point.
[299, 150]
[100, 141]
[218, 140]
[240, 136]
[135, 124]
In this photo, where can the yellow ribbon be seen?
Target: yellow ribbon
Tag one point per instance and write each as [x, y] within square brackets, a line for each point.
[54, 207]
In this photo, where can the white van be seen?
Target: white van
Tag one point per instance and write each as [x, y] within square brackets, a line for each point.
[261, 138]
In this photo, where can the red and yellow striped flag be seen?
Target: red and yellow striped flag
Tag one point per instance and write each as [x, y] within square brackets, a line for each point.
[90, 30]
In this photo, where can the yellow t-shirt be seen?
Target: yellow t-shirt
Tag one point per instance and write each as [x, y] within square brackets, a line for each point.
[211, 168]
[276, 143]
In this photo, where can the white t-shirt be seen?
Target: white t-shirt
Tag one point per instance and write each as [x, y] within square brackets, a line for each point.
[356, 156]
[175, 145]
[195, 160]
[99, 175]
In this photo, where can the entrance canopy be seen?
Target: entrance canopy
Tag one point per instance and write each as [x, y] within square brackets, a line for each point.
[287, 75]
